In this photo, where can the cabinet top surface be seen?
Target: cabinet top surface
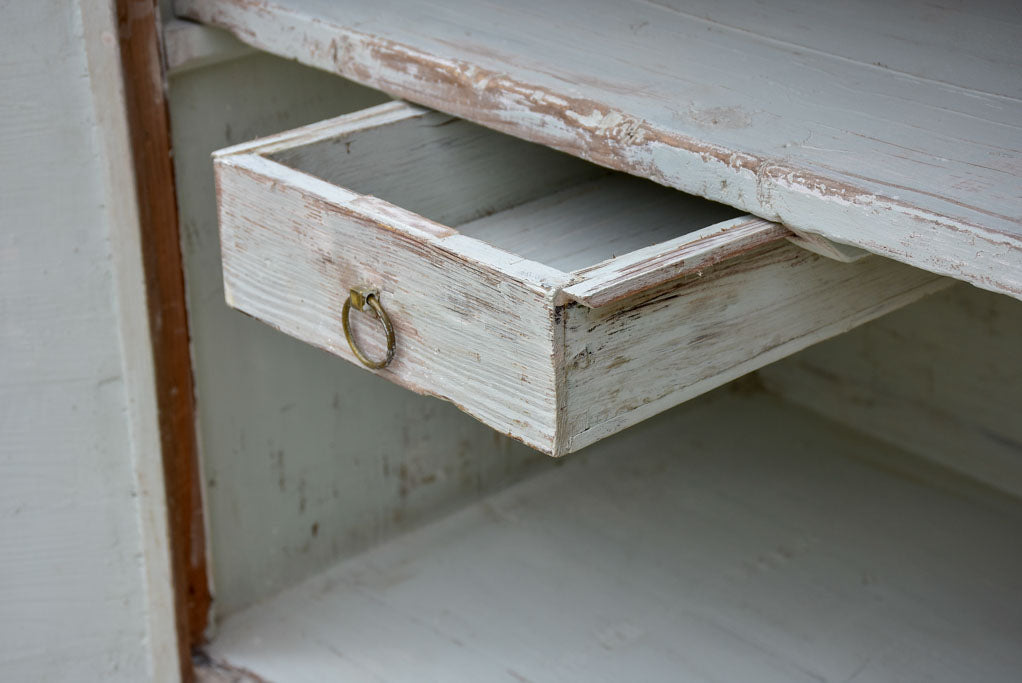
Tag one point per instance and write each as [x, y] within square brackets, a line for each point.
[896, 127]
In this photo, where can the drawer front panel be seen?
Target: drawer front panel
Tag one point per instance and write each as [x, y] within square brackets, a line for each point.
[466, 329]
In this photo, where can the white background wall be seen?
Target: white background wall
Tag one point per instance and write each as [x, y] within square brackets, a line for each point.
[84, 592]
[941, 379]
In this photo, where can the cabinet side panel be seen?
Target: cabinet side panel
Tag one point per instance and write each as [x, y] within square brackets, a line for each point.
[632, 361]
[941, 379]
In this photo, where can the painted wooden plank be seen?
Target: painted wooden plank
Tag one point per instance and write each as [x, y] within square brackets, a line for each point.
[599, 220]
[138, 30]
[85, 570]
[769, 553]
[473, 323]
[490, 186]
[446, 169]
[899, 135]
[644, 269]
[628, 362]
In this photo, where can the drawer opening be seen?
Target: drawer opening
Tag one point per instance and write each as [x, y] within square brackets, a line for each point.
[524, 198]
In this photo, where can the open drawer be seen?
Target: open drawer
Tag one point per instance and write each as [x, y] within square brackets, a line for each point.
[550, 298]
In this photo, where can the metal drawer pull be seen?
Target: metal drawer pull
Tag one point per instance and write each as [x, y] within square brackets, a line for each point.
[361, 297]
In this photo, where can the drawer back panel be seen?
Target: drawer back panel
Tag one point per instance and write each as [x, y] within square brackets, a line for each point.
[446, 169]
[525, 198]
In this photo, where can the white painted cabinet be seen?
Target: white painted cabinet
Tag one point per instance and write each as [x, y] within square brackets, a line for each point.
[791, 525]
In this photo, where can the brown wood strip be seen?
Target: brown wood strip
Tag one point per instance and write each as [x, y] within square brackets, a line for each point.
[149, 127]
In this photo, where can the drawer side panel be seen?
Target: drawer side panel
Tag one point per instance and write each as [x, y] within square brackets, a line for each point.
[626, 363]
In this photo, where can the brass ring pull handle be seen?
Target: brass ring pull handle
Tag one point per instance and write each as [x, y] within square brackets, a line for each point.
[362, 297]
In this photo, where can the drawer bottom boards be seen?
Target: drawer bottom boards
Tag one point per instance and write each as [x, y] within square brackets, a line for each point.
[554, 301]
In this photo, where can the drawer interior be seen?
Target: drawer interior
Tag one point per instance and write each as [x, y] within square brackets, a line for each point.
[521, 197]
[595, 220]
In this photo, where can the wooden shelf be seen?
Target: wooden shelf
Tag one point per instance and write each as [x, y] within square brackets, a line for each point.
[765, 553]
[895, 127]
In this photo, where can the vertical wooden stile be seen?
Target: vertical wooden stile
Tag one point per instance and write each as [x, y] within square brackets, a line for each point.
[149, 127]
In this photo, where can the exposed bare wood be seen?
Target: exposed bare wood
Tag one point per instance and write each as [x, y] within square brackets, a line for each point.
[898, 135]
[208, 670]
[161, 253]
[627, 363]
[294, 245]
[829, 248]
[645, 268]
[486, 328]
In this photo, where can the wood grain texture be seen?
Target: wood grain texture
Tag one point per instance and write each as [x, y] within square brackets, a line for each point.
[84, 567]
[296, 443]
[598, 221]
[893, 129]
[446, 169]
[770, 553]
[474, 324]
[829, 248]
[149, 128]
[627, 363]
[643, 269]
[488, 329]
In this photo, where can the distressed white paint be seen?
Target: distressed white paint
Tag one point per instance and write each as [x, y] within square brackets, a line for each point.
[626, 363]
[84, 572]
[942, 379]
[297, 447]
[644, 268]
[767, 553]
[469, 327]
[893, 127]
[485, 328]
